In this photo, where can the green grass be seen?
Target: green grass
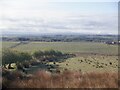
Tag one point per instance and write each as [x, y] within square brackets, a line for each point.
[76, 47]
[89, 64]
[8, 44]
[71, 47]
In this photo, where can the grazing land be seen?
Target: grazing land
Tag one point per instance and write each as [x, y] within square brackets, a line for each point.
[90, 56]
[26, 61]
[95, 63]
[69, 47]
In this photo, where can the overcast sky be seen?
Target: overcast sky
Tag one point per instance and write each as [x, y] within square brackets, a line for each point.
[39, 17]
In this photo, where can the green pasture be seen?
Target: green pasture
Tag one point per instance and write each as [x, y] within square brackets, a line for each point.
[90, 64]
[70, 47]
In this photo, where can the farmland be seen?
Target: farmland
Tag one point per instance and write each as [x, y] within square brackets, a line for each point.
[53, 62]
[69, 47]
[90, 56]
[91, 64]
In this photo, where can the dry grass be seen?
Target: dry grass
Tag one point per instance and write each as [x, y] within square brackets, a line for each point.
[67, 79]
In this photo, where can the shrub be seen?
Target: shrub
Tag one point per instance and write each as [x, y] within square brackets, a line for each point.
[26, 64]
[33, 62]
[11, 56]
[38, 54]
[20, 66]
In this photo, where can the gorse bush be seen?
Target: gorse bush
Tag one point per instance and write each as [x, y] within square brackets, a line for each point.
[52, 53]
[38, 54]
[11, 56]
[24, 56]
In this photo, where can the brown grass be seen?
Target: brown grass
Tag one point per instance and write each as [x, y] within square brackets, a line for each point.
[68, 79]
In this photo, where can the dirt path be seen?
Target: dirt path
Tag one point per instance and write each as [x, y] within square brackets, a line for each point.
[20, 43]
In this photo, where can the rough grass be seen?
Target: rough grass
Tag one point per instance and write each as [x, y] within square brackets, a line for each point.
[68, 79]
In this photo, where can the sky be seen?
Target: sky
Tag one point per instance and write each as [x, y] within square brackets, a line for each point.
[55, 16]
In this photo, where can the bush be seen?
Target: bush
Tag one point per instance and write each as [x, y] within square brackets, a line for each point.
[34, 63]
[11, 56]
[26, 64]
[50, 53]
[24, 56]
[38, 54]
[19, 66]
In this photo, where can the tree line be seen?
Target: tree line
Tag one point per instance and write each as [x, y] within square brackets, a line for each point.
[63, 38]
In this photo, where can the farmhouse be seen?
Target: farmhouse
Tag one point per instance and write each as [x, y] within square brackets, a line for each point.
[112, 42]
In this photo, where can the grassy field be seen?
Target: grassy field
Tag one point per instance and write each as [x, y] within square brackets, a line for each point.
[71, 47]
[90, 64]
[95, 66]
[85, 61]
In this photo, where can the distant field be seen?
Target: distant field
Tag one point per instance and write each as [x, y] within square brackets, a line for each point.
[71, 47]
[8, 44]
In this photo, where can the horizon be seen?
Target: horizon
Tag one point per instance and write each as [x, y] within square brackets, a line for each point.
[51, 34]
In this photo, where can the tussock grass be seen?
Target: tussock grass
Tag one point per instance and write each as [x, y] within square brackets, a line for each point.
[69, 79]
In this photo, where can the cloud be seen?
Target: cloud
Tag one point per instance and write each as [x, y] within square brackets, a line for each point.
[79, 24]
[35, 16]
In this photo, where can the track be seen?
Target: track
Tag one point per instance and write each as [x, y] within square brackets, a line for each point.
[18, 44]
